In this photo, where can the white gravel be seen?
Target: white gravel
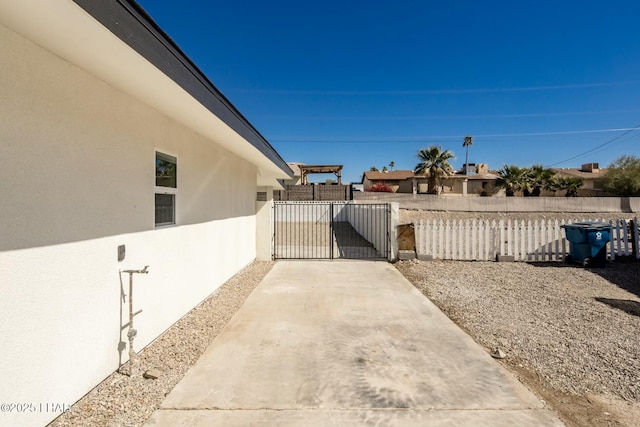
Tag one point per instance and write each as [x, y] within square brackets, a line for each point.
[126, 402]
[577, 328]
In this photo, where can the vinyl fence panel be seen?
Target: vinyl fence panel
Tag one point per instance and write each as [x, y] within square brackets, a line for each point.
[544, 240]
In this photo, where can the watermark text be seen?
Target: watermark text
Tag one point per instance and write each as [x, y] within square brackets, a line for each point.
[27, 407]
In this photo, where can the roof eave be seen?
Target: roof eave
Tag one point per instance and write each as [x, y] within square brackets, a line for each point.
[164, 77]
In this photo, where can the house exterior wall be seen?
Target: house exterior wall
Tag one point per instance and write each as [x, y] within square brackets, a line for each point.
[475, 187]
[454, 186]
[592, 184]
[366, 183]
[405, 186]
[77, 181]
[398, 186]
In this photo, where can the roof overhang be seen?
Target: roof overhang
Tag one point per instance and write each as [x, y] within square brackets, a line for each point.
[116, 41]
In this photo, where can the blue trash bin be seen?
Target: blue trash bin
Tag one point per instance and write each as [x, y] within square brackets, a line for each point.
[588, 242]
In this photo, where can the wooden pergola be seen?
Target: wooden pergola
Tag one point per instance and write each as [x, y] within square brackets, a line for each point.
[305, 170]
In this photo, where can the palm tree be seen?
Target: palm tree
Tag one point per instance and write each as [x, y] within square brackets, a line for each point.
[373, 169]
[538, 178]
[434, 161]
[570, 184]
[392, 164]
[468, 141]
[512, 179]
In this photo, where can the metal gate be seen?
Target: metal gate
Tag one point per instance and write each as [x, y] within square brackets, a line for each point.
[330, 230]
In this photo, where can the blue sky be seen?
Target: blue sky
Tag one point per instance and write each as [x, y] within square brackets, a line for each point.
[364, 83]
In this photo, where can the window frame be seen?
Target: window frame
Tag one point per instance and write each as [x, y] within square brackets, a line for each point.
[165, 190]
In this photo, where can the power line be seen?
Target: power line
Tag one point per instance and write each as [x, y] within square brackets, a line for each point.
[441, 137]
[616, 143]
[444, 117]
[431, 91]
[628, 131]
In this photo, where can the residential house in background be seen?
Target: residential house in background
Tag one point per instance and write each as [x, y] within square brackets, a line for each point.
[481, 182]
[400, 181]
[478, 181]
[117, 152]
[592, 177]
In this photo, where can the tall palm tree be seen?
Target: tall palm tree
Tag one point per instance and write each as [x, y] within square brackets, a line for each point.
[434, 161]
[512, 179]
[468, 141]
[392, 164]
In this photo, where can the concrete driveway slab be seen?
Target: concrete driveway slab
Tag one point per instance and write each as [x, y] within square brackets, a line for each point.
[354, 418]
[346, 343]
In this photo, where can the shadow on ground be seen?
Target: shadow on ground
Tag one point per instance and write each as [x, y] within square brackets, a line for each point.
[351, 245]
[622, 272]
[553, 264]
[626, 305]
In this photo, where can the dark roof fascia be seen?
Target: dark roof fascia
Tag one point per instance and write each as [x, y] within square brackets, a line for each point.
[133, 25]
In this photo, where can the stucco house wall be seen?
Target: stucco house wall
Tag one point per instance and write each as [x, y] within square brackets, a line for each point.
[405, 186]
[77, 181]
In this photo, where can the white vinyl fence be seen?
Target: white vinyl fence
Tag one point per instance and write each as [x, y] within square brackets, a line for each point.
[482, 240]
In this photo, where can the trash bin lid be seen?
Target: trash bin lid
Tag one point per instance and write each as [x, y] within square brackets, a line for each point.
[589, 225]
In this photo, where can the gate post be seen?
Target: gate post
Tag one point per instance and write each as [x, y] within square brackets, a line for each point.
[264, 224]
[634, 232]
[392, 231]
[331, 231]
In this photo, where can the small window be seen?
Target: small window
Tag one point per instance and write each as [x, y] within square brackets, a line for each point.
[166, 189]
[165, 209]
[166, 171]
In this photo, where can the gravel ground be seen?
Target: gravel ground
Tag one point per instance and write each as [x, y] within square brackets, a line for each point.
[126, 402]
[576, 329]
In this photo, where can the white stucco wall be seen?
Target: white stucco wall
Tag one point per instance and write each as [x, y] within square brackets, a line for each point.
[77, 180]
[264, 225]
